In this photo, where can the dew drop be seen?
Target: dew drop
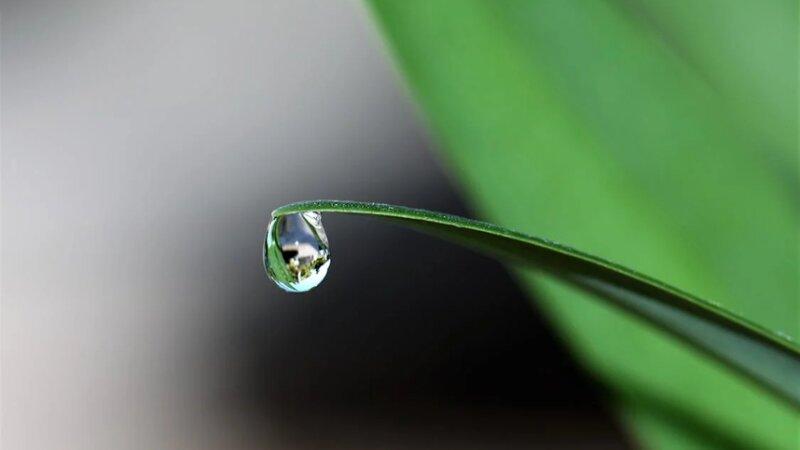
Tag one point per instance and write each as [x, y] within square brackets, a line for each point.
[296, 254]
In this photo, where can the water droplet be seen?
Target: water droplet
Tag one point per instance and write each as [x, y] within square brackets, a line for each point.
[296, 254]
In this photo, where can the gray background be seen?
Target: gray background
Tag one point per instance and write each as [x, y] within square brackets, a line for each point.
[143, 145]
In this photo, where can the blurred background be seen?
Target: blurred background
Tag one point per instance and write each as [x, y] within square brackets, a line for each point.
[144, 145]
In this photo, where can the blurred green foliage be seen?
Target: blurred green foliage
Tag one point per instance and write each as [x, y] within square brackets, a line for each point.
[659, 134]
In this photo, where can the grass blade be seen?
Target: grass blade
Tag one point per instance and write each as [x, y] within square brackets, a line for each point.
[768, 358]
[622, 127]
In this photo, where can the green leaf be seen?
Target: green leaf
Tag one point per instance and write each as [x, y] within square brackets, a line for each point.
[769, 358]
[662, 135]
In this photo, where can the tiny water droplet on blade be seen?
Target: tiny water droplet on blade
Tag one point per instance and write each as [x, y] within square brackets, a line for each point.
[296, 253]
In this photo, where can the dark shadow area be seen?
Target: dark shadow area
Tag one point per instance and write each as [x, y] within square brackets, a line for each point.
[411, 342]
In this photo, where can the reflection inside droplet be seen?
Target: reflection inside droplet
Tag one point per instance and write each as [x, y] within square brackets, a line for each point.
[296, 254]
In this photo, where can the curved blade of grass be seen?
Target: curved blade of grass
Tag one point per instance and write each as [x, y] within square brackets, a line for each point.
[770, 359]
